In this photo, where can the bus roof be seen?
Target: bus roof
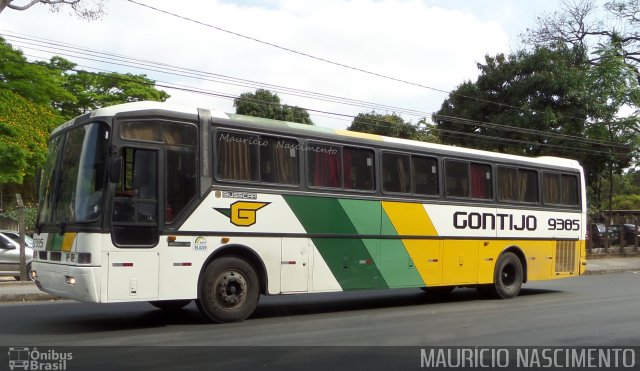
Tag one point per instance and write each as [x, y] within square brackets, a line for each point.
[163, 106]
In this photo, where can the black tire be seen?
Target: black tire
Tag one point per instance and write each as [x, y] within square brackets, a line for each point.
[170, 305]
[507, 278]
[438, 291]
[228, 290]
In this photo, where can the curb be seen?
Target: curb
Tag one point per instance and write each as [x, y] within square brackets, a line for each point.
[19, 291]
[29, 297]
[605, 271]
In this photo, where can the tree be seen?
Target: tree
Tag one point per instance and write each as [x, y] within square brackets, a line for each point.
[585, 24]
[36, 82]
[35, 97]
[549, 101]
[610, 35]
[390, 125]
[526, 103]
[266, 104]
[24, 130]
[59, 84]
[95, 90]
[79, 7]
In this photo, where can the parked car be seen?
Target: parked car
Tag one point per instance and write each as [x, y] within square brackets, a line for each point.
[628, 233]
[10, 253]
[596, 235]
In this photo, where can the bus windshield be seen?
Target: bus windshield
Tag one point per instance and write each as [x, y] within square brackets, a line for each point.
[74, 176]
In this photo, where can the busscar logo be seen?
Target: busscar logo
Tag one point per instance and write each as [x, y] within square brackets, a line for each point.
[242, 213]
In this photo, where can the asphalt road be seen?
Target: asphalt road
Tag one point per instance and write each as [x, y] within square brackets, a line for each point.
[584, 311]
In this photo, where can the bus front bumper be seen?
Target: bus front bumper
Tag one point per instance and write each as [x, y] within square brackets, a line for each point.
[69, 282]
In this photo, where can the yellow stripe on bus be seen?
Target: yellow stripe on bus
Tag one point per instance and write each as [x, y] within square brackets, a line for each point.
[411, 219]
[67, 242]
[358, 134]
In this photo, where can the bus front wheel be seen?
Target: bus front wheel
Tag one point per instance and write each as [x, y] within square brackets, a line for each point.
[507, 278]
[228, 290]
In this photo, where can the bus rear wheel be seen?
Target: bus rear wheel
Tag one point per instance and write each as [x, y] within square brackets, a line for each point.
[507, 278]
[228, 290]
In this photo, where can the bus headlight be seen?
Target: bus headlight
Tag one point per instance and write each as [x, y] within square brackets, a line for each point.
[70, 280]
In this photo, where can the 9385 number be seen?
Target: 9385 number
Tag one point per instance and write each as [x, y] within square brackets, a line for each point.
[564, 224]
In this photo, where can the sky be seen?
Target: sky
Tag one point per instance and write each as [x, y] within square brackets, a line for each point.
[402, 56]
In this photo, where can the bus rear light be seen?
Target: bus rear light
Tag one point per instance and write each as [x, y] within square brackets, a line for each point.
[84, 258]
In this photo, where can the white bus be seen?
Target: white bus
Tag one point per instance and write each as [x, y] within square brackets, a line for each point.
[150, 202]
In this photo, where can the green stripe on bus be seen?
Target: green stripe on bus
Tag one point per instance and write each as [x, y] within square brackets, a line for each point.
[398, 268]
[54, 242]
[390, 256]
[350, 260]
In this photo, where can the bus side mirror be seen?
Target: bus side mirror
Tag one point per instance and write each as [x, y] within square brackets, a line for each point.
[116, 169]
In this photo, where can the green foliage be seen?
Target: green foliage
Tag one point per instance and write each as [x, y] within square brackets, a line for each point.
[13, 161]
[543, 90]
[263, 103]
[390, 125]
[95, 90]
[35, 82]
[30, 214]
[558, 93]
[626, 202]
[60, 85]
[35, 97]
[24, 130]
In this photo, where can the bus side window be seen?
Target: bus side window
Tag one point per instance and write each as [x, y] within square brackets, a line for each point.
[481, 181]
[324, 168]
[358, 168]
[457, 178]
[237, 156]
[396, 173]
[181, 180]
[425, 170]
[278, 160]
[464, 179]
[560, 189]
[517, 185]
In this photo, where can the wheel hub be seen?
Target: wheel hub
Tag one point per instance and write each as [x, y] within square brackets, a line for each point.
[231, 289]
[508, 275]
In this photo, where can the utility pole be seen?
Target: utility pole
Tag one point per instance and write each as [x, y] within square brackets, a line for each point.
[21, 228]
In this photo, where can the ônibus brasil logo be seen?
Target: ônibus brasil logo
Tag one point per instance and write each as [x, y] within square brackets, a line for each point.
[242, 213]
[32, 359]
